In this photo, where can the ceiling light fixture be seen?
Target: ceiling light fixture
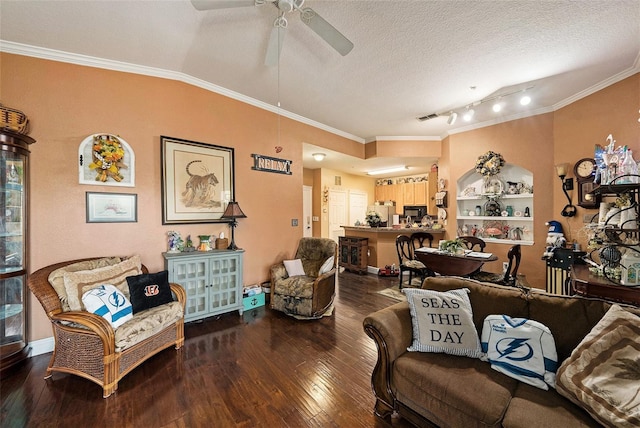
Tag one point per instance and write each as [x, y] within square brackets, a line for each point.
[525, 100]
[388, 170]
[452, 118]
[318, 156]
[468, 114]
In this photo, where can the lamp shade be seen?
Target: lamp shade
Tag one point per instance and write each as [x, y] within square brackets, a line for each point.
[233, 211]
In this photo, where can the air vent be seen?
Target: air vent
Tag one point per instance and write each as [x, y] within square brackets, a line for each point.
[428, 117]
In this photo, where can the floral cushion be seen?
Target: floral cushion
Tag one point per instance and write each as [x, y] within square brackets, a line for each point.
[56, 278]
[146, 324]
[299, 286]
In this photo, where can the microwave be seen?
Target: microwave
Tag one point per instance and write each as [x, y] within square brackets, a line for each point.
[415, 211]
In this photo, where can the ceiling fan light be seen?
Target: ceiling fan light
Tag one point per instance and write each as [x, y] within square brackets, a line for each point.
[318, 156]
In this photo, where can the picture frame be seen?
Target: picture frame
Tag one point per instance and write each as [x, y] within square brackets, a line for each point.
[94, 169]
[198, 181]
[105, 207]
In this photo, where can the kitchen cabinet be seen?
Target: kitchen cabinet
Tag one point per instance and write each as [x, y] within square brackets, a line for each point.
[410, 193]
[481, 203]
[212, 280]
[14, 241]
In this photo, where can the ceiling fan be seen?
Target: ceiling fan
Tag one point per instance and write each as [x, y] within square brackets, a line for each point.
[310, 17]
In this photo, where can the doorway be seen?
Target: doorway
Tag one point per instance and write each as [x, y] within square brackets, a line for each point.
[307, 210]
[337, 213]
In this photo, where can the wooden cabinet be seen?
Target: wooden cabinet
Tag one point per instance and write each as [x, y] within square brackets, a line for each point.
[212, 280]
[14, 203]
[409, 194]
[588, 285]
[413, 193]
[354, 253]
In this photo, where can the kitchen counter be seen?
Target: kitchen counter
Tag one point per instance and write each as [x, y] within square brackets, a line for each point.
[382, 241]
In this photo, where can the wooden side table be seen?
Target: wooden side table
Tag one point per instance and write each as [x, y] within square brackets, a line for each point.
[585, 284]
[354, 253]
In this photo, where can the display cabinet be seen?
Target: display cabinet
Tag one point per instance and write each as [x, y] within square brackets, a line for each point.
[499, 208]
[212, 280]
[14, 210]
[354, 253]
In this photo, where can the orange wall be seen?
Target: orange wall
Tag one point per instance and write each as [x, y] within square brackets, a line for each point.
[66, 103]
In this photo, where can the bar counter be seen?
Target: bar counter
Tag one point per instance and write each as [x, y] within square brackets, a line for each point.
[382, 241]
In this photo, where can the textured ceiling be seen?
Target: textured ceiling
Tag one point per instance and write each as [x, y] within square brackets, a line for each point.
[411, 58]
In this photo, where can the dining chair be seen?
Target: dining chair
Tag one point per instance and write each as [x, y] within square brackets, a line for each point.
[419, 239]
[510, 275]
[472, 242]
[407, 261]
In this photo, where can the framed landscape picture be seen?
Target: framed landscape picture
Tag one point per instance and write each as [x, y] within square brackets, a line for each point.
[112, 207]
[197, 181]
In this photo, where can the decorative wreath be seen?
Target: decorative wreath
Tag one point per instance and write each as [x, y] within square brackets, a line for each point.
[489, 163]
[108, 157]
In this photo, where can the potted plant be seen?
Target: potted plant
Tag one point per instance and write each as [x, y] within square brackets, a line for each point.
[373, 219]
[453, 246]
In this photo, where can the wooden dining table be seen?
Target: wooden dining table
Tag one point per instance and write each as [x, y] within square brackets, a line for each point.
[451, 264]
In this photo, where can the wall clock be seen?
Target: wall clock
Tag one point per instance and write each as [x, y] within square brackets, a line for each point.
[584, 170]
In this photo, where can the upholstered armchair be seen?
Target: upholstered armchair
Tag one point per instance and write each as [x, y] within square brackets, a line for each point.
[309, 292]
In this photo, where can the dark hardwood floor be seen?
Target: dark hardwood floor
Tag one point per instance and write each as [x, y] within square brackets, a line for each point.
[263, 369]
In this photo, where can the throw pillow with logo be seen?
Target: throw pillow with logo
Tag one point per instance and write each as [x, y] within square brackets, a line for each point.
[443, 322]
[520, 348]
[149, 290]
[108, 302]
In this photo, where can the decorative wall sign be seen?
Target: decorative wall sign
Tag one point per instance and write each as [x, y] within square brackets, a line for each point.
[106, 160]
[197, 181]
[112, 207]
[269, 164]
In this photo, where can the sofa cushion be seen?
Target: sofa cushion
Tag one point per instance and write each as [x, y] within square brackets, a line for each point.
[149, 290]
[78, 283]
[442, 322]
[109, 303]
[146, 324]
[294, 267]
[531, 407]
[555, 312]
[56, 278]
[299, 286]
[486, 298]
[327, 265]
[603, 373]
[452, 391]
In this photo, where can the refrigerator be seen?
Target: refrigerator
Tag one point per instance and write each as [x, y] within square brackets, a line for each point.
[386, 212]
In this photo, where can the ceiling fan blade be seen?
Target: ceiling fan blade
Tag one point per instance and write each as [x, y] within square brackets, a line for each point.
[276, 39]
[221, 4]
[325, 30]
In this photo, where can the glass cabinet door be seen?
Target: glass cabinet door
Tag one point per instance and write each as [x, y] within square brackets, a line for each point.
[13, 255]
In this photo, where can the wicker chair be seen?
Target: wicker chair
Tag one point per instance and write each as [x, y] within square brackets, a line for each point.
[85, 344]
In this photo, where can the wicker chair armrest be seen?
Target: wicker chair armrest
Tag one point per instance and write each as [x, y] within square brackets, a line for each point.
[180, 293]
[278, 273]
[95, 323]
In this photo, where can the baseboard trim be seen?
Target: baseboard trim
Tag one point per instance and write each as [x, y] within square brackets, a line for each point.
[42, 346]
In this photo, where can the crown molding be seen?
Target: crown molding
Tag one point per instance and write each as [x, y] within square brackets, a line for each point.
[89, 61]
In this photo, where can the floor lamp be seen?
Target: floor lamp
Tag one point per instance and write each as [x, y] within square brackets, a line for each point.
[233, 212]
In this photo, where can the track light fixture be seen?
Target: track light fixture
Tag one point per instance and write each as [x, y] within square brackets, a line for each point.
[525, 100]
[452, 118]
[468, 114]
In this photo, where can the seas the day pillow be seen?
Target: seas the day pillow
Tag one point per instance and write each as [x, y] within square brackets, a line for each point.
[520, 348]
[294, 267]
[443, 322]
[108, 302]
[149, 290]
[601, 375]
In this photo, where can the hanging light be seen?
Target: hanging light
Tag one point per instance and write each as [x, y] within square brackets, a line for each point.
[318, 156]
[452, 118]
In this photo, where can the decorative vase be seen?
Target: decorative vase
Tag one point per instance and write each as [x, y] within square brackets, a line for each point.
[205, 243]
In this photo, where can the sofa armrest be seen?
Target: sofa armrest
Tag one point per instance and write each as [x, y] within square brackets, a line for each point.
[94, 323]
[180, 293]
[278, 273]
[391, 330]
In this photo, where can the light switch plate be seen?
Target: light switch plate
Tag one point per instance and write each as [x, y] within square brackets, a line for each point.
[294, 222]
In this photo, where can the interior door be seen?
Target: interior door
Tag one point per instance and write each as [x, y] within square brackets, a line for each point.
[357, 207]
[337, 213]
[307, 210]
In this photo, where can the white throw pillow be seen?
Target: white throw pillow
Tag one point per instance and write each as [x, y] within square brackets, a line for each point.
[443, 322]
[326, 266]
[294, 267]
[108, 302]
[520, 348]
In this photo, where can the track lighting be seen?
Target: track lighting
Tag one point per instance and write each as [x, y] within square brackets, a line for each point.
[525, 100]
[452, 118]
[497, 107]
[468, 114]
[318, 156]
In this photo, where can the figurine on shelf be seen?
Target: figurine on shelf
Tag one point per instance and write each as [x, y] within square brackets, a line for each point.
[175, 242]
[189, 245]
[555, 239]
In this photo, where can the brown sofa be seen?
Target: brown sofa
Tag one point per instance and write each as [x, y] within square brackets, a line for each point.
[435, 389]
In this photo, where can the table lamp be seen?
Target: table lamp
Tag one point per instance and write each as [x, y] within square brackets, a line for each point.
[233, 212]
